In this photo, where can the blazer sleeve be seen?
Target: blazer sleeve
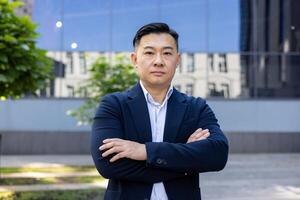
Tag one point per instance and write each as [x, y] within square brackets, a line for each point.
[201, 156]
[107, 124]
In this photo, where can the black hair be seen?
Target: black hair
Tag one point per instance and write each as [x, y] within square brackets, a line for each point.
[154, 28]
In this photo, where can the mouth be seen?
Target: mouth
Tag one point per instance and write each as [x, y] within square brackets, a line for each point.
[158, 73]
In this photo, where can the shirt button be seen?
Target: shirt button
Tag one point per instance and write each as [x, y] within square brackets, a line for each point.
[185, 174]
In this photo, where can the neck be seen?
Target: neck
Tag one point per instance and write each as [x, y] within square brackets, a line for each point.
[158, 93]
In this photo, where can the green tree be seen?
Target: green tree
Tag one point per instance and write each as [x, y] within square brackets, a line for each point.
[23, 67]
[104, 78]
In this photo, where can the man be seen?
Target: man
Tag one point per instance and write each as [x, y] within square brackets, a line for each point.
[152, 141]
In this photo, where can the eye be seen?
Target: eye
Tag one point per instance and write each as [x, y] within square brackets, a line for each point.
[148, 53]
[167, 53]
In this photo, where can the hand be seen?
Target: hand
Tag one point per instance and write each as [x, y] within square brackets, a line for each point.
[123, 149]
[199, 134]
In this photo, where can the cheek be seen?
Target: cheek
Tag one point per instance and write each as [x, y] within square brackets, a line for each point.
[144, 62]
[172, 67]
[141, 70]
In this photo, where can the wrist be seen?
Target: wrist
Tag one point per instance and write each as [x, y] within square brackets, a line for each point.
[144, 152]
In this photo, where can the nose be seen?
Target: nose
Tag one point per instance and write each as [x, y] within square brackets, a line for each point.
[158, 62]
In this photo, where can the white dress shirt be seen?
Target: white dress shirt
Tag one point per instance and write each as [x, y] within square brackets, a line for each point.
[157, 114]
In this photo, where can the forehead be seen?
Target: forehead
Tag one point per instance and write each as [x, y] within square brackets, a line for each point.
[157, 40]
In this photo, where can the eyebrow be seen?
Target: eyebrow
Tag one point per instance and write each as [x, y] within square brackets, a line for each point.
[166, 47]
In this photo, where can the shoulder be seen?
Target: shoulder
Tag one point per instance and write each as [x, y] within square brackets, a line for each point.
[111, 103]
[113, 100]
[121, 96]
[191, 100]
[116, 96]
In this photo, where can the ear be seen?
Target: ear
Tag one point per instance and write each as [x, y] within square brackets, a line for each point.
[133, 58]
[178, 60]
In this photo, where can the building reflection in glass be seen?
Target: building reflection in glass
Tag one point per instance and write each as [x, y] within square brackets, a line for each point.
[230, 48]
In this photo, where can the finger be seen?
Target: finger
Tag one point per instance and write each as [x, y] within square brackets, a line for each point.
[107, 146]
[104, 146]
[117, 157]
[111, 151]
[196, 132]
[192, 139]
[205, 130]
[207, 135]
[202, 132]
[110, 144]
[203, 137]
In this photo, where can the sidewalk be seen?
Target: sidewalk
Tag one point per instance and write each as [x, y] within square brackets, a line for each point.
[246, 176]
[45, 187]
[255, 177]
[46, 160]
[48, 174]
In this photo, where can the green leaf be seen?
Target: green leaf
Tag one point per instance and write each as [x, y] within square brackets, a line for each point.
[9, 38]
[2, 78]
[2, 46]
[3, 58]
[16, 4]
[23, 67]
[104, 79]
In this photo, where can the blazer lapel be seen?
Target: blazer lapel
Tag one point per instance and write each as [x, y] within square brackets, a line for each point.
[175, 112]
[139, 110]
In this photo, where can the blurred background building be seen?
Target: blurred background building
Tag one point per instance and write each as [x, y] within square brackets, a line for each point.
[241, 55]
[270, 42]
[230, 49]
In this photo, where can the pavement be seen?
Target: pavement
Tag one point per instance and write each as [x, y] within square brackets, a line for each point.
[255, 177]
[48, 187]
[48, 174]
[45, 160]
[246, 176]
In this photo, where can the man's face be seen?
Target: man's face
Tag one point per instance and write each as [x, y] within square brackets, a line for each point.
[155, 59]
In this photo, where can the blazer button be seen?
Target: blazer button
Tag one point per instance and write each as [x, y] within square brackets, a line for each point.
[159, 161]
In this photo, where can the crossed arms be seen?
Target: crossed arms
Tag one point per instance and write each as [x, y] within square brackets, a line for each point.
[136, 151]
[154, 162]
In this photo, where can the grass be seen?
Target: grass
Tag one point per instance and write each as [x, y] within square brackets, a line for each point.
[91, 194]
[50, 180]
[9, 170]
[88, 194]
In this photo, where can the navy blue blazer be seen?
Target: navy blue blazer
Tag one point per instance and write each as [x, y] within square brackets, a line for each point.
[173, 162]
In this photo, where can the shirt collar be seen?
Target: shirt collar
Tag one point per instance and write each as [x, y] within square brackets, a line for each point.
[150, 99]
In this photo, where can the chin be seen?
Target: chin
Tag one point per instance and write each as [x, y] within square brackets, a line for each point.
[159, 84]
[157, 81]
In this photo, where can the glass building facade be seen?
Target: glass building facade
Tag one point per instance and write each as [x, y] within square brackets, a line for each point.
[230, 48]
